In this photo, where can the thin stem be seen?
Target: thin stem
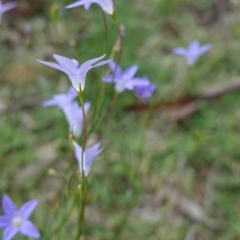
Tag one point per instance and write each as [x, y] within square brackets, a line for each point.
[81, 217]
[102, 87]
[118, 46]
[81, 97]
[120, 42]
[106, 31]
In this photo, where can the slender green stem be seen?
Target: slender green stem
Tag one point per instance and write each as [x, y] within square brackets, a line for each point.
[120, 42]
[118, 46]
[102, 86]
[106, 31]
[81, 217]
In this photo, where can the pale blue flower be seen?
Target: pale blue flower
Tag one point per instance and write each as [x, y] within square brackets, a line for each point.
[4, 7]
[72, 110]
[124, 79]
[192, 52]
[88, 156]
[75, 71]
[16, 220]
[106, 5]
[145, 91]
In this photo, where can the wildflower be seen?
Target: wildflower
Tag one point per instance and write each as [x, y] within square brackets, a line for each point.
[106, 5]
[124, 79]
[4, 7]
[72, 110]
[192, 52]
[88, 156]
[75, 71]
[145, 91]
[16, 220]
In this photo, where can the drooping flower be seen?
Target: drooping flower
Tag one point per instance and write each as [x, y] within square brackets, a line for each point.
[88, 156]
[16, 220]
[124, 79]
[4, 7]
[192, 52]
[145, 91]
[106, 5]
[75, 71]
[72, 110]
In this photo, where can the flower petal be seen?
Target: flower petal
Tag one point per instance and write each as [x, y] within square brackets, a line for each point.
[91, 153]
[29, 229]
[9, 233]
[51, 102]
[79, 3]
[130, 72]
[53, 65]
[179, 51]
[71, 93]
[26, 210]
[4, 221]
[101, 63]
[86, 105]
[61, 100]
[8, 6]
[106, 5]
[115, 69]
[205, 48]
[87, 5]
[108, 78]
[85, 66]
[136, 82]
[67, 64]
[78, 81]
[145, 91]
[9, 206]
[78, 154]
[74, 116]
[193, 46]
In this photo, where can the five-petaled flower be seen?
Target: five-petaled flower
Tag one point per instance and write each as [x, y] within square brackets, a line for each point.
[4, 7]
[145, 91]
[124, 79]
[106, 5]
[192, 52]
[16, 220]
[72, 110]
[88, 156]
[75, 71]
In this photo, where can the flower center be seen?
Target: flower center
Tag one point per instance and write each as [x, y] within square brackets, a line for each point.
[17, 221]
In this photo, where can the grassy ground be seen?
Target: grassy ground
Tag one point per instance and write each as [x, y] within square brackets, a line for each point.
[156, 179]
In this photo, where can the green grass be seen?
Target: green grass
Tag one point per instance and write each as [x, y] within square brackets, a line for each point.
[140, 159]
